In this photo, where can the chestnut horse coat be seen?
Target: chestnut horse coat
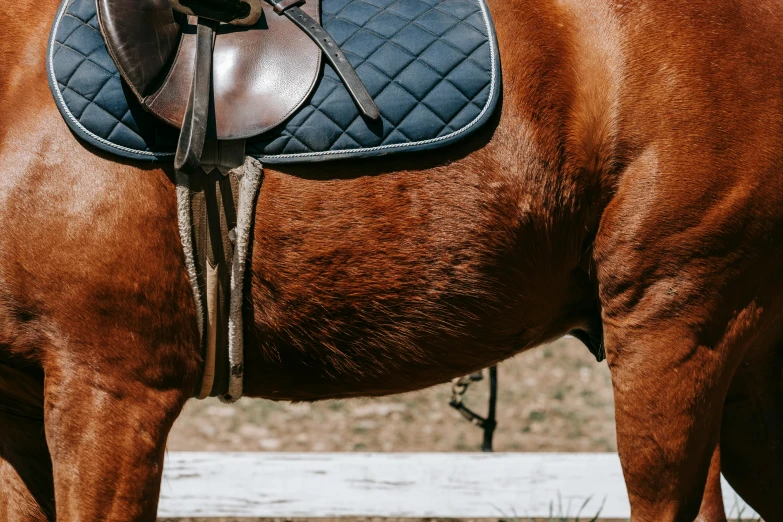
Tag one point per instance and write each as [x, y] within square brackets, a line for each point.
[631, 186]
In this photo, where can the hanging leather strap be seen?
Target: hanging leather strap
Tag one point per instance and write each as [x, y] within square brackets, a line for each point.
[194, 124]
[213, 197]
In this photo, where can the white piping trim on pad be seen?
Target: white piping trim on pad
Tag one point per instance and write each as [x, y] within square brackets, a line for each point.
[492, 89]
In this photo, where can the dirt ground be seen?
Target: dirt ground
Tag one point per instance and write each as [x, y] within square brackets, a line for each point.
[552, 398]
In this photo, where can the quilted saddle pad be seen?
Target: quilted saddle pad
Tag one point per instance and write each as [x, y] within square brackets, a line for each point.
[432, 67]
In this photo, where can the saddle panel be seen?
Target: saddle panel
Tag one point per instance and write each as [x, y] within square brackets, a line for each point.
[260, 75]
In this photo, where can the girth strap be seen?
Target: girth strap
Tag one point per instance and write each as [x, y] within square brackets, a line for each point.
[216, 207]
[213, 210]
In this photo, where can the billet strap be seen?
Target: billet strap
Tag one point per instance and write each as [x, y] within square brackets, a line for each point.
[332, 52]
[194, 125]
[212, 196]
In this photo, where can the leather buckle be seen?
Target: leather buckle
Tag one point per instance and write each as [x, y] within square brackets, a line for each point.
[234, 12]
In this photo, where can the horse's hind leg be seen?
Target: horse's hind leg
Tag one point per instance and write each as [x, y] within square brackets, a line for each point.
[669, 392]
[26, 488]
[752, 432]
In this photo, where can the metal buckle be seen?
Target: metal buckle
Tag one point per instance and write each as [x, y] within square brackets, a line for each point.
[458, 389]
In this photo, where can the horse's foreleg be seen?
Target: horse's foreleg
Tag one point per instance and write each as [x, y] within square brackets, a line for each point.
[107, 437]
[752, 432]
[712, 508]
[668, 398]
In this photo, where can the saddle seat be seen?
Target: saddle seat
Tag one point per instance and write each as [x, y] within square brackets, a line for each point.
[260, 74]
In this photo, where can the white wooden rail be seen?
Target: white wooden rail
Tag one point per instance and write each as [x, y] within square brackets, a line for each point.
[415, 485]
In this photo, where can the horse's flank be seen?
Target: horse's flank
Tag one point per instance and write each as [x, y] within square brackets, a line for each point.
[377, 280]
[371, 279]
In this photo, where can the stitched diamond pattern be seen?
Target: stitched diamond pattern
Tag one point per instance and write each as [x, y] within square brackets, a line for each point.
[430, 75]
[427, 64]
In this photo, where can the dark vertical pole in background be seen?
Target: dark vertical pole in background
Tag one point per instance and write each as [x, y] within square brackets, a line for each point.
[490, 423]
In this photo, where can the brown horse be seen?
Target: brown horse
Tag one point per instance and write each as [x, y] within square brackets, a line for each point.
[631, 183]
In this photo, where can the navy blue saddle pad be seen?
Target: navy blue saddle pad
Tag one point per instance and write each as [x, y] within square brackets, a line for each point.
[432, 67]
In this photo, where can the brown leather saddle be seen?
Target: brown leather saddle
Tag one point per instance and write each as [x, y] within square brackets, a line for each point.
[224, 69]
[221, 71]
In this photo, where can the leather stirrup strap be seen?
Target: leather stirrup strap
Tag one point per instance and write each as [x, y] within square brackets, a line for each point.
[194, 124]
[214, 220]
[333, 53]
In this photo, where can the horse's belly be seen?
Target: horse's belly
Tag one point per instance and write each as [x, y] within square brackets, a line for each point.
[305, 380]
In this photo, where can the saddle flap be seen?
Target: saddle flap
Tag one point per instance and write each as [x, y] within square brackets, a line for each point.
[260, 75]
[142, 37]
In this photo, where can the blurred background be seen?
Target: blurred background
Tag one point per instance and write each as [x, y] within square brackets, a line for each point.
[552, 398]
